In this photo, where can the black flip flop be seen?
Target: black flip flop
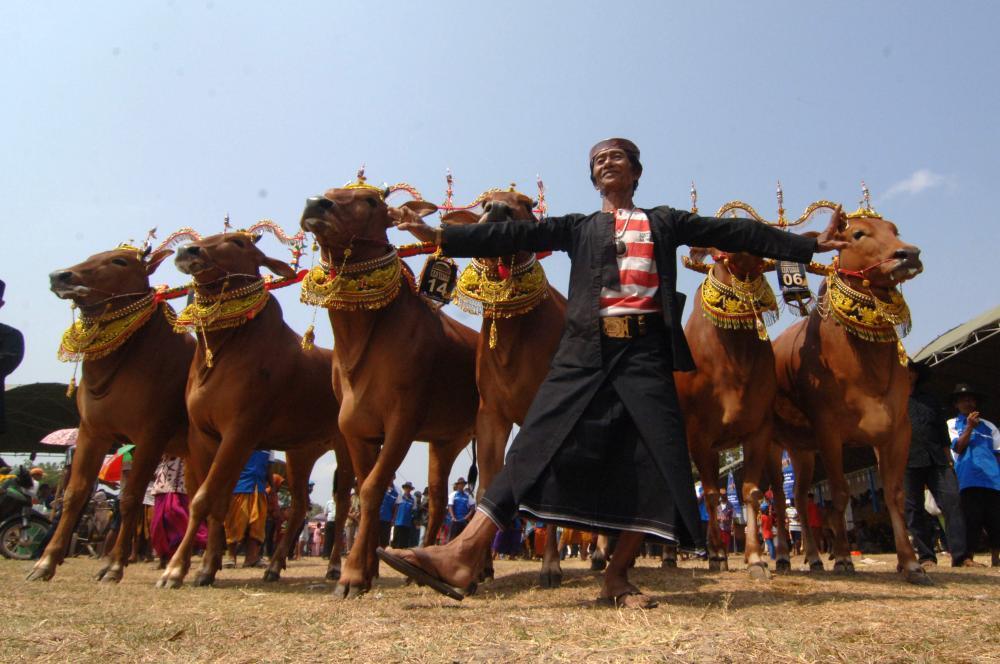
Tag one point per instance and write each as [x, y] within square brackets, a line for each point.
[422, 577]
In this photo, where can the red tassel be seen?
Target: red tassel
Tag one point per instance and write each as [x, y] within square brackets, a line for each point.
[503, 271]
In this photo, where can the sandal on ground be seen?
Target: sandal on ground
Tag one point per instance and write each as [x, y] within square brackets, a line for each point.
[419, 575]
[630, 599]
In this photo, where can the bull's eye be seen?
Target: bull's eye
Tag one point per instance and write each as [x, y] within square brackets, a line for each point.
[371, 201]
[238, 242]
[858, 235]
[120, 261]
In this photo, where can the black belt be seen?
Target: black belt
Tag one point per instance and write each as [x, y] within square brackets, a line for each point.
[630, 326]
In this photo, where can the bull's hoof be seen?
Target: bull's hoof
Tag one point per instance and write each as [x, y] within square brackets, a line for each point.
[101, 572]
[169, 582]
[668, 563]
[781, 566]
[203, 579]
[718, 564]
[333, 574]
[918, 577]
[759, 572]
[598, 562]
[816, 565]
[40, 574]
[344, 591]
[844, 567]
[112, 576]
[271, 576]
[487, 574]
[473, 587]
[547, 579]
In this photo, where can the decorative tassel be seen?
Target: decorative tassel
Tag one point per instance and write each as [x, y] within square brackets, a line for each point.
[503, 271]
[309, 337]
[493, 333]
[71, 388]
[209, 357]
[901, 353]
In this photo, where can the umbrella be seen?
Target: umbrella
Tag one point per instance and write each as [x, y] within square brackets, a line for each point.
[111, 471]
[61, 437]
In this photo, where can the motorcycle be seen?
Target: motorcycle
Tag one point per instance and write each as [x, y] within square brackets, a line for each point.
[22, 528]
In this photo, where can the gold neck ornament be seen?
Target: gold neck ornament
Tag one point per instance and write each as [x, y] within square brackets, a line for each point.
[866, 316]
[368, 285]
[482, 292]
[91, 338]
[743, 305]
[210, 313]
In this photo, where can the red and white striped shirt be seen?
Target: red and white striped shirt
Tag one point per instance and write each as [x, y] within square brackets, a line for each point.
[636, 269]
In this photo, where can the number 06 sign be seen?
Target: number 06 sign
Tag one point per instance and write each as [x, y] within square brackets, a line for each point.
[794, 282]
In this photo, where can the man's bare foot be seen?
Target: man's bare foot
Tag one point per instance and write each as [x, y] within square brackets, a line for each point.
[625, 597]
[447, 563]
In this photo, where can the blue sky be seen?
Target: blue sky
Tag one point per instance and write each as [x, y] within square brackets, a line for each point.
[118, 117]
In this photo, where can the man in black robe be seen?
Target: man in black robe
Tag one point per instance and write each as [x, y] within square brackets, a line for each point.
[11, 354]
[603, 445]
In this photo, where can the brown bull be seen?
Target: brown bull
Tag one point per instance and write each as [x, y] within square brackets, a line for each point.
[842, 379]
[402, 370]
[516, 344]
[729, 400]
[251, 386]
[134, 371]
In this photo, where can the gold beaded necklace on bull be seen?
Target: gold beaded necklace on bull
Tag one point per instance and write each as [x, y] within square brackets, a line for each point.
[865, 315]
[234, 308]
[743, 304]
[368, 285]
[91, 337]
[504, 290]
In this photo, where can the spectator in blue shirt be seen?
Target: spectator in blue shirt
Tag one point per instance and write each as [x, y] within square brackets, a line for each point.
[460, 508]
[976, 446]
[386, 512]
[247, 514]
[406, 504]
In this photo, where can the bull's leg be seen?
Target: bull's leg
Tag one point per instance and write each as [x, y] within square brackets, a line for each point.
[707, 461]
[145, 458]
[832, 451]
[782, 562]
[892, 466]
[492, 432]
[298, 464]
[755, 449]
[551, 574]
[363, 455]
[90, 453]
[209, 502]
[358, 571]
[344, 479]
[599, 559]
[441, 457]
[804, 463]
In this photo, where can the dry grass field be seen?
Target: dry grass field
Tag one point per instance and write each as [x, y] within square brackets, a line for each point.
[702, 617]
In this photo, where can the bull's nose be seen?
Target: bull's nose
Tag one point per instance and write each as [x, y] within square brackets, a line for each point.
[189, 250]
[907, 253]
[322, 202]
[60, 277]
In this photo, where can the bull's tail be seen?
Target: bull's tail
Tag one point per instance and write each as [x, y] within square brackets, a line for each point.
[474, 468]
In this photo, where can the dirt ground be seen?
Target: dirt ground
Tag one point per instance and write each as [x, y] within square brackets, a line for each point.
[702, 617]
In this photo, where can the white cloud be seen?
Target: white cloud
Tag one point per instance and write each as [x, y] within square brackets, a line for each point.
[920, 181]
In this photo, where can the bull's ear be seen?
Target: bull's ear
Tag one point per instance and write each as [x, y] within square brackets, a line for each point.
[154, 260]
[279, 267]
[459, 218]
[423, 208]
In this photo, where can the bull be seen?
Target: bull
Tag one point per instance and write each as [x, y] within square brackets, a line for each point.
[251, 385]
[134, 372]
[402, 370]
[842, 379]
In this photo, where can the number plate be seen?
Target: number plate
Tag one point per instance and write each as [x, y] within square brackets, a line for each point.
[794, 282]
[438, 279]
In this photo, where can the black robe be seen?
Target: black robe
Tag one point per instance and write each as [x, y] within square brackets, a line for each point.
[583, 365]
